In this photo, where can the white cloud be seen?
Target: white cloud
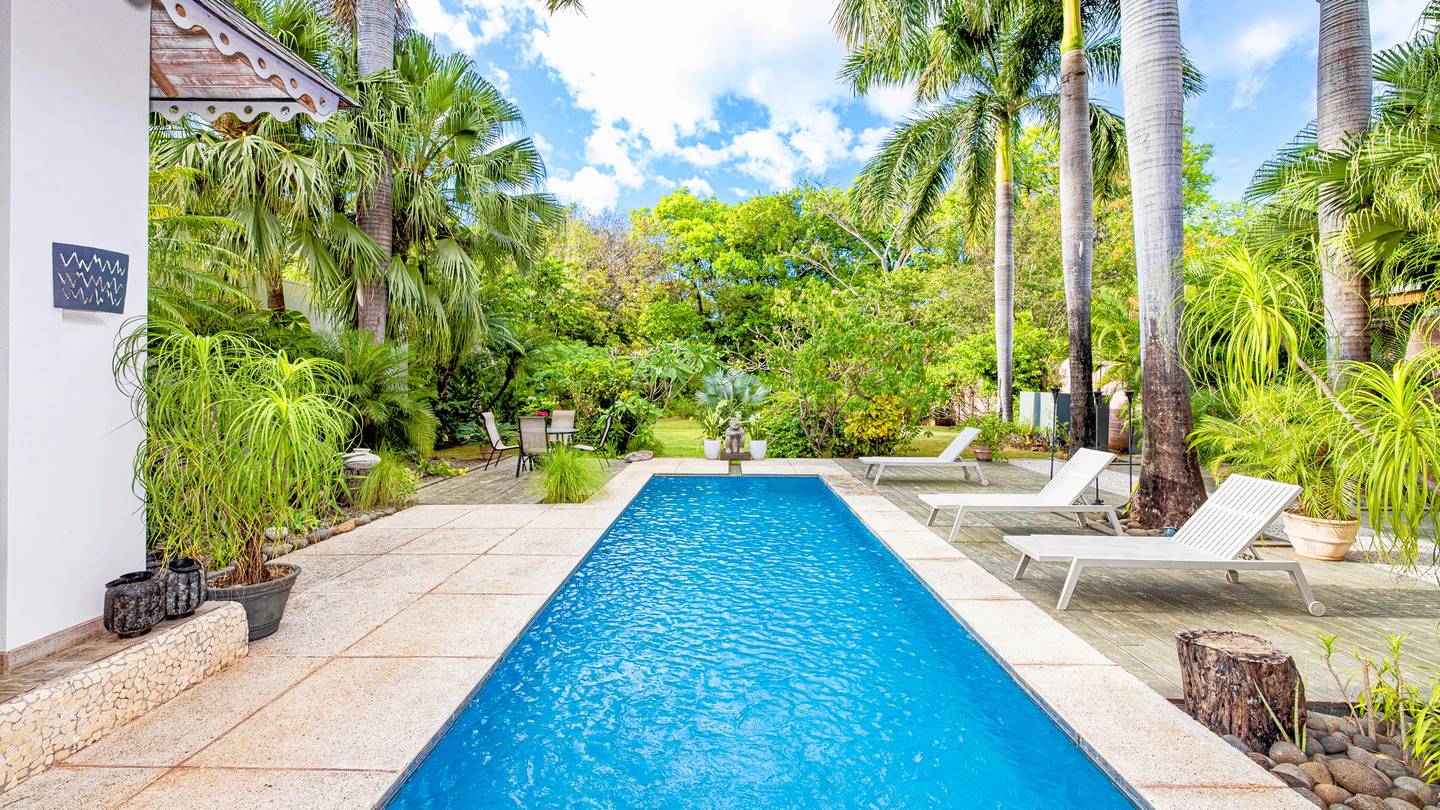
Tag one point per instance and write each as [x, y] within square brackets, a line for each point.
[1393, 21]
[653, 73]
[589, 187]
[868, 142]
[699, 187]
[740, 192]
[432, 18]
[499, 77]
[543, 145]
[1255, 51]
[890, 102]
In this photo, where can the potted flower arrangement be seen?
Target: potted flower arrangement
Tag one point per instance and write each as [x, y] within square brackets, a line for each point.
[1353, 434]
[239, 438]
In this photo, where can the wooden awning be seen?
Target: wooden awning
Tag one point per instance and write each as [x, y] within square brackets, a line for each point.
[208, 59]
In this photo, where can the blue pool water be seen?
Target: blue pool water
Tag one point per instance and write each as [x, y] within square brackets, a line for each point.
[744, 642]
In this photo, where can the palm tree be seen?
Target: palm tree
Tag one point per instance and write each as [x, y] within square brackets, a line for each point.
[465, 200]
[1170, 487]
[1077, 219]
[979, 70]
[1343, 94]
[375, 23]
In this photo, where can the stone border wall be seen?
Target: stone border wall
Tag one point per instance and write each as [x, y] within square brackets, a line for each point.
[45, 725]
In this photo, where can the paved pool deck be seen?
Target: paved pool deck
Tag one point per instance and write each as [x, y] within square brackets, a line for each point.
[392, 626]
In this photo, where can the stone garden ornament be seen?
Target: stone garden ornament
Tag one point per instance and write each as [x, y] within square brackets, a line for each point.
[735, 436]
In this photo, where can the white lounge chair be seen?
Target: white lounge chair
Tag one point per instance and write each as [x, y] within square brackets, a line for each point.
[1212, 539]
[949, 457]
[1060, 495]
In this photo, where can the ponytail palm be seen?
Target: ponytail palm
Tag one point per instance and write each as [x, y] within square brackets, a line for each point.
[980, 72]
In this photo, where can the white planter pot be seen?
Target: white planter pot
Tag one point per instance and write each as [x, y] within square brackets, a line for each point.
[712, 449]
[758, 448]
[1320, 539]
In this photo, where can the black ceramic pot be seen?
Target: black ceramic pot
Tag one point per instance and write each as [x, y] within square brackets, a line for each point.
[134, 603]
[154, 560]
[185, 587]
[264, 603]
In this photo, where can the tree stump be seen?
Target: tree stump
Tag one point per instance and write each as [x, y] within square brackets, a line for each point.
[1229, 677]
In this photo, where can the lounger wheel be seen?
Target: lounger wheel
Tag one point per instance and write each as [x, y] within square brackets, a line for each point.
[1233, 577]
[1316, 608]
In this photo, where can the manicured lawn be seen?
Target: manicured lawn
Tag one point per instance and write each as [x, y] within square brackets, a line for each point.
[679, 438]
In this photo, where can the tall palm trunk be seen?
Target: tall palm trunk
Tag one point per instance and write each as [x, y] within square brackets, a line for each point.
[1344, 84]
[375, 46]
[1004, 270]
[1077, 220]
[1170, 487]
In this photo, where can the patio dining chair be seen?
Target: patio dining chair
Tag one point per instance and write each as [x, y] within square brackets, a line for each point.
[562, 420]
[497, 445]
[599, 448]
[533, 441]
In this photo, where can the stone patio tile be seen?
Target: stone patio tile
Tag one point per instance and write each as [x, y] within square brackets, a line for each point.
[510, 573]
[919, 545]
[769, 466]
[64, 787]
[454, 541]
[574, 518]
[371, 539]
[871, 504]
[403, 573]
[452, 625]
[702, 466]
[226, 789]
[562, 542]
[316, 569]
[498, 516]
[424, 516]
[961, 579]
[322, 623]
[1022, 633]
[890, 521]
[172, 732]
[1190, 798]
[360, 713]
[1139, 734]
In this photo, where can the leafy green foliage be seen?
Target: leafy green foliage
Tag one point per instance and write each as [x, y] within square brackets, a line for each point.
[238, 439]
[389, 483]
[569, 476]
[390, 412]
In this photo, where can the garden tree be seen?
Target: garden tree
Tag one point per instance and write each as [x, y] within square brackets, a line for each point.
[1343, 96]
[375, 23]
[977, 71]
[1077, 219]
[276, 180]
[1170, 487]
[466, 200]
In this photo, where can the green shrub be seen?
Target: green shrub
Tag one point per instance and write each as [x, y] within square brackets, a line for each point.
[779, 419]
[569, 476]
[238, 438]
[377, 387]
[877, 427]
[389, 483]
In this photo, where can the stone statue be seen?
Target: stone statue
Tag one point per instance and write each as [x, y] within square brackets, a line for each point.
[735, 436]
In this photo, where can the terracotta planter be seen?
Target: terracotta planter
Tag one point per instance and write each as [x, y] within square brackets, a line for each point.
[982, 452]
[264, 603]
[134, 603]
[1320, 539]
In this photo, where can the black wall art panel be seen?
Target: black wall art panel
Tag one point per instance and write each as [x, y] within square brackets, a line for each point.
[89, 278]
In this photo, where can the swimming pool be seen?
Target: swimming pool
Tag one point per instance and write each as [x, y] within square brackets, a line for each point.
[743, 641]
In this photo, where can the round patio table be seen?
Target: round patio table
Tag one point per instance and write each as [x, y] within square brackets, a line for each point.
[562, 434]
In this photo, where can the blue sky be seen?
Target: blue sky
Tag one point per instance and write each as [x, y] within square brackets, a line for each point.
[634, 98]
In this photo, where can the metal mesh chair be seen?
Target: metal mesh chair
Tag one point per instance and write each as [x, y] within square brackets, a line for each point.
[533, 442]
[599, 447]
[562, 420]
[498, 445]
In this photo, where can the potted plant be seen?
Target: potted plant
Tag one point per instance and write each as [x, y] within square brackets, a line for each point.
[994, 433]
[1288, 432]
[712, 427]
[239, 438]
[759, 445]
[1357, 433]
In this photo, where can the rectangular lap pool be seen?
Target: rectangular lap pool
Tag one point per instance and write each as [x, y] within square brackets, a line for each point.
[745, 642]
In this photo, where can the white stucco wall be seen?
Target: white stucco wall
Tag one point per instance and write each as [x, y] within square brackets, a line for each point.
[75, 107]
